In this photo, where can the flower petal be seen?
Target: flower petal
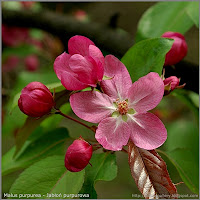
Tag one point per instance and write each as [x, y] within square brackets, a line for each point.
[71, 82]
[97, 55]
[113, 133]
[91, 106]
[79, 45]
[118, 86]
[33, 107]
[85, 68]
[146, 93]
[148, 132]
[61, 64]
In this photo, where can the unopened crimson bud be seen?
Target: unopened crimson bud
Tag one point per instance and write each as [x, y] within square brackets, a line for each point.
[31, 63]
[78, 155]
[36, 100]
[178, 50]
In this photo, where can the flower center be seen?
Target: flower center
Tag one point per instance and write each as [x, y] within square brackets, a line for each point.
[122, 107]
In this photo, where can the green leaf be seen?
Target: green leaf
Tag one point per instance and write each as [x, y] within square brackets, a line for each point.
[193, 12]
[103, 168]
[46, 177]
[58, 87]
[190, 99]
[54, 120]
[182, 149]
[163, 17]
[10, 123]
[187, 165]
[26, 77]
[36, 33]
[186, 134]
[21, 51]
[13, 5]
[146, 56]
[49, 143]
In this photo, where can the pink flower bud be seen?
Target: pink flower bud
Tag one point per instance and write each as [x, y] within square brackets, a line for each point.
[172, 83]
[78, 155]
[10, 63]
[27, 4]
[178, 50]
[36, 100]
[81, 15]
[14, 36]
[31, 62]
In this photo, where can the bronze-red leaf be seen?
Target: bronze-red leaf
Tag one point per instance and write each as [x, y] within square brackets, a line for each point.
[150, 173]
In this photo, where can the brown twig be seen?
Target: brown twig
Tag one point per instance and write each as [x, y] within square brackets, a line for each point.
[75, 120]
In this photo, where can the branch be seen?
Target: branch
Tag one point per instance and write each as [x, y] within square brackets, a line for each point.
[108, 39]
[65, 27]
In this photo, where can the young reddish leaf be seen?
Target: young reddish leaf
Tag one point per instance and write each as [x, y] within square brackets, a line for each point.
[150, 173]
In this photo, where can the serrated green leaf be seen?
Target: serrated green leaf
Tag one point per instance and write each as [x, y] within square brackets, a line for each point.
[48, 176]
[163, 17]
[103, 168]
[50, 143]
[146, 56]
[193, 12]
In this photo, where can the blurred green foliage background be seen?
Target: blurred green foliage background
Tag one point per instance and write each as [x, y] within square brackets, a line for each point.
[178, 111]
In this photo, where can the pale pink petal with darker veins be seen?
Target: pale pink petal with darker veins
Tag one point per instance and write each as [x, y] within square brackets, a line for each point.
[61, 64]
[120, 80]
[147, 131]
[146, 93]
[113, 133]
[91, 106]
[79, 45]
[71, 82]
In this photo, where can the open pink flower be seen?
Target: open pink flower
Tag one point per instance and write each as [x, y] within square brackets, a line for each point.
[121, 110]
[82, 67]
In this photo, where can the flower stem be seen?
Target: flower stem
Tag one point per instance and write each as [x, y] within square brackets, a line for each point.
[75, 120]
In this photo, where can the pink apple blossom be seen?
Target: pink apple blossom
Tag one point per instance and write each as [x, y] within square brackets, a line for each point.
[121, 110]
[82, 67]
